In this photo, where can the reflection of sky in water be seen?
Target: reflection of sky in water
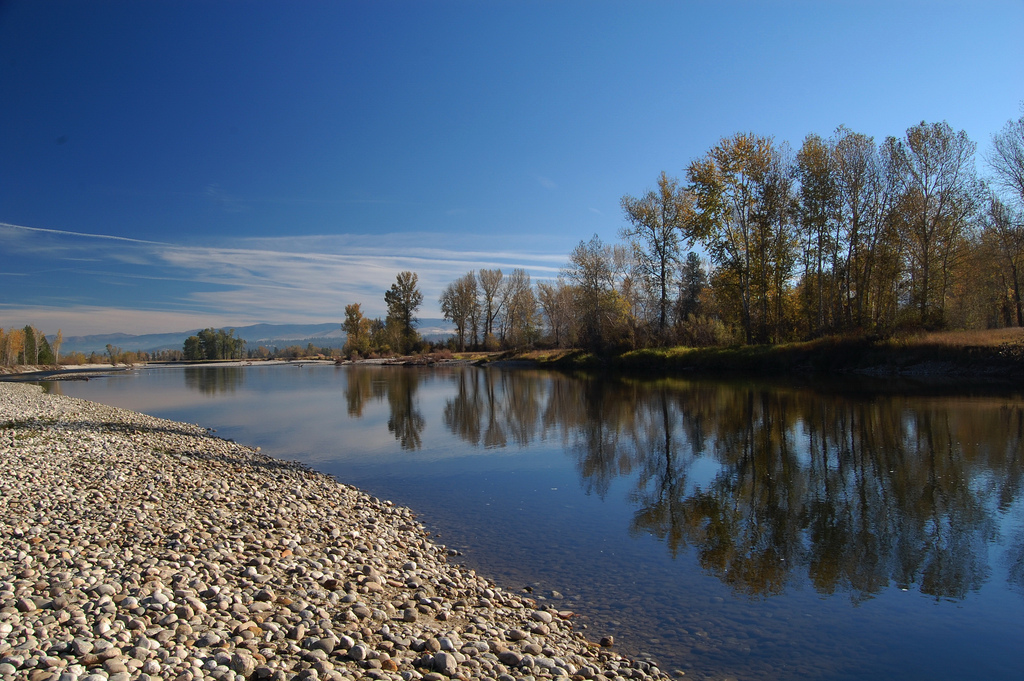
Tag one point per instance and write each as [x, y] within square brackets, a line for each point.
[567, 488]
[701, 472]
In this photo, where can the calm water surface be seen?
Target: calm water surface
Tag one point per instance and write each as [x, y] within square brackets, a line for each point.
[751, 531]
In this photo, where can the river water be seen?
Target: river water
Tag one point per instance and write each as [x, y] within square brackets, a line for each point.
[847, 530]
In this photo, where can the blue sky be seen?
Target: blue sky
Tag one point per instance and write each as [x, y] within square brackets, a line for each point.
[172, 165]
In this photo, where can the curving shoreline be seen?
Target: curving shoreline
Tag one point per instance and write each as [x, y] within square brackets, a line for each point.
[137, 548]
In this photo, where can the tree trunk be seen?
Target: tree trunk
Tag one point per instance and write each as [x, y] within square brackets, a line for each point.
[1016, 293]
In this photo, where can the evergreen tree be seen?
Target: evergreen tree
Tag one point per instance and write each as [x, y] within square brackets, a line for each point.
[29, 356]
[46, 356]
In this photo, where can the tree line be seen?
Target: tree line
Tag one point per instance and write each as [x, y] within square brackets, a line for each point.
[759, 243]
[28, 346]
[214, 344]
[396, 333]
[842, 236]
[845, 235]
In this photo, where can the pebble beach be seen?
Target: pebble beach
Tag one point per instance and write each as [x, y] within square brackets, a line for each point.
[133, 547]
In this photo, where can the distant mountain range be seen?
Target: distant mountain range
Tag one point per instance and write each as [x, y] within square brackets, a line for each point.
[270, 335]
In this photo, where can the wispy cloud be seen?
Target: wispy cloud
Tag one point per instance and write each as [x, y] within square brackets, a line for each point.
[547, 183]
[306, 278]
[83, 320]
[227, 202]
[35, 234]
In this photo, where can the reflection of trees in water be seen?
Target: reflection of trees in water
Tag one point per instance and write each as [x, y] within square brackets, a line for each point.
[860, 493]
[364, 385]
[598, 441]
[213, 380]
[1013, 421]
[740, 526]
[892, 499]
[406, 422]
[660, 491]
[462, 412]
[1015, 562]
[490, 408]
[398, 385]
[879, 492]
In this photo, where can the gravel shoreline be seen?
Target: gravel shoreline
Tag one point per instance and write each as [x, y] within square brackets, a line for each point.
[140, 548]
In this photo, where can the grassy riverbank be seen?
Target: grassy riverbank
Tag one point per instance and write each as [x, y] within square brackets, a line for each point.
[997, 354]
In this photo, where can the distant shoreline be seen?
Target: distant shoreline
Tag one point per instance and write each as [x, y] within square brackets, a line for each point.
[83, 371]
[23, 373]
[966, 356]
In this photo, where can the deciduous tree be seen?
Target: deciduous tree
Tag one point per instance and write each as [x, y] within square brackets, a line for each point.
[818, 231]
[600, 310]
[742, 218]
[57, 342]
[113, 353]
[1006, 160]
[1003, 231]
[519, 323]
[865, 193]
[657, 228]
[403, 300]
[939, 196]
[460, 305]
[357, 331]
[556, 302]
[15, 344]
[490, 287]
